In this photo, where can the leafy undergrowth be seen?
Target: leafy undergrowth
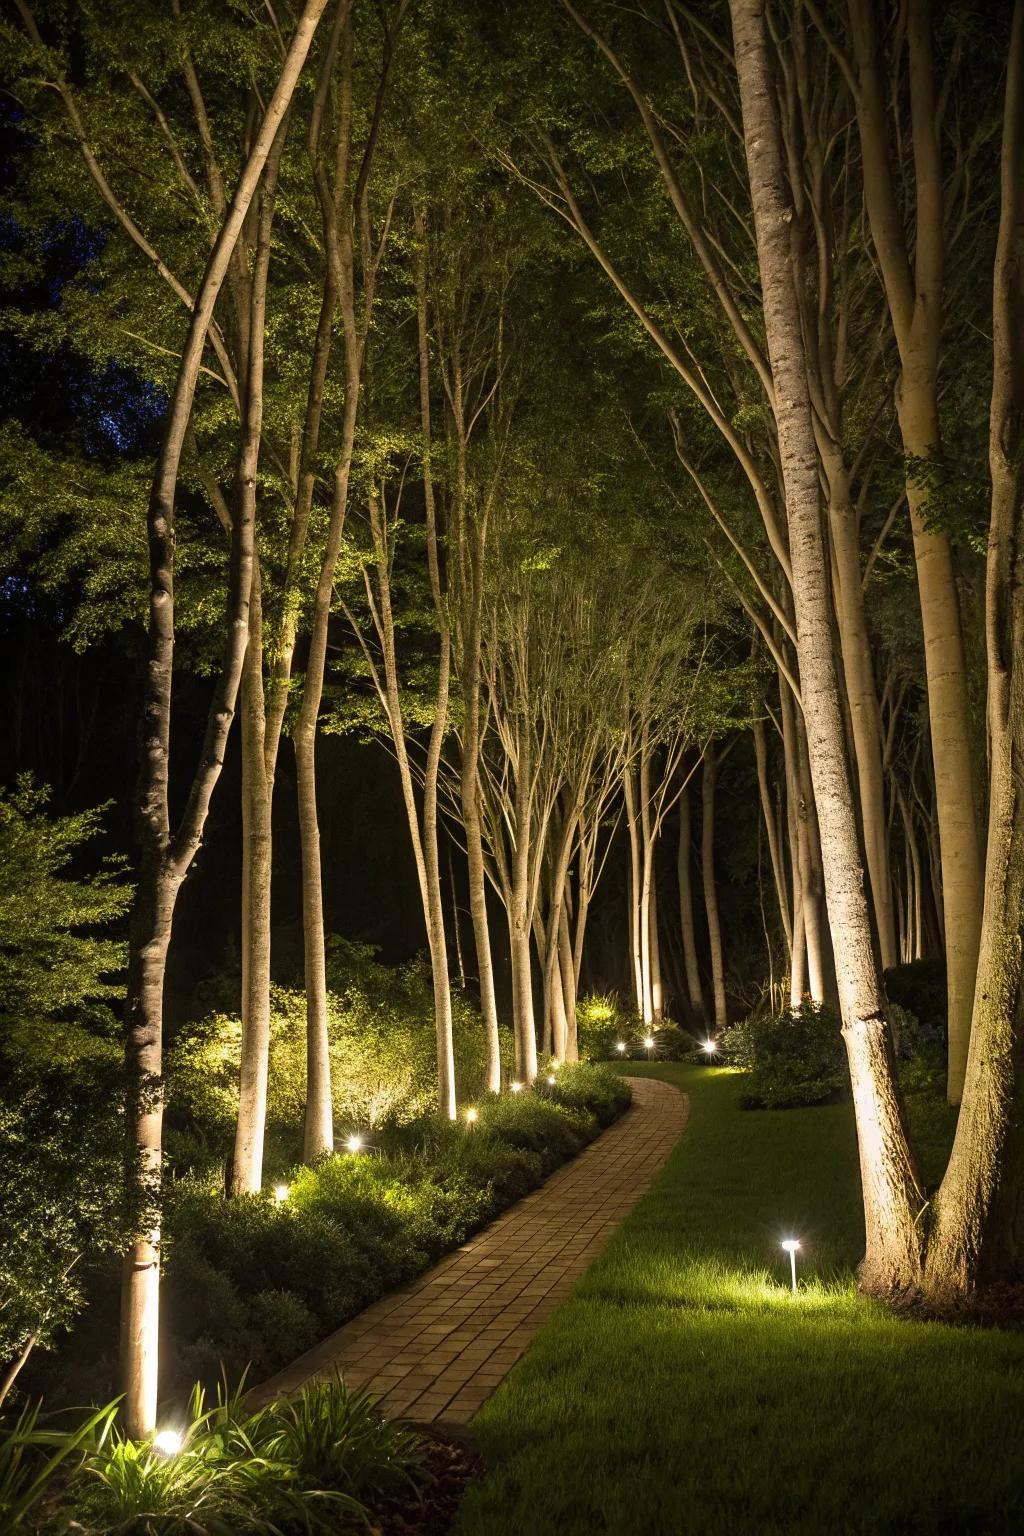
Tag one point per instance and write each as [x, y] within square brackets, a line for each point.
[324, 1462]
[251, 1283]
[683, 1389]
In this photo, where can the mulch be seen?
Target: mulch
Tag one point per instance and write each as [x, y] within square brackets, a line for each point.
[451, 1462]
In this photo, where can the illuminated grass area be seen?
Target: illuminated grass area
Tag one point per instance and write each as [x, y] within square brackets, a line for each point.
[683, 1389]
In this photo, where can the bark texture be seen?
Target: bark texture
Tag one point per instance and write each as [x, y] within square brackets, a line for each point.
[891, 1186]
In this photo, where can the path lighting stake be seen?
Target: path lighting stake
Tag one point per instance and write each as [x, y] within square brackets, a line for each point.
[648, 1045]
[354, 1143]
[515, 1087]
[711, 1046]
[552, 1079]
[167, 1442]
[280, 1194]
[471, 1115]
[621, 1046]
[791, 1244]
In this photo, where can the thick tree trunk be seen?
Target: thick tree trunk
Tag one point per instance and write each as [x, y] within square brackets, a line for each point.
[978, 1222]
[892, 1192]
[914, 297]
[709, 783]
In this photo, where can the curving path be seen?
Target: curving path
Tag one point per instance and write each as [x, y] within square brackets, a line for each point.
[439, 1346]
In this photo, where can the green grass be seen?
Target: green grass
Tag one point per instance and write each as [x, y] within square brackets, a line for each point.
[682, 1389]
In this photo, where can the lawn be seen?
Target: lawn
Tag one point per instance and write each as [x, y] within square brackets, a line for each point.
[682, 1389]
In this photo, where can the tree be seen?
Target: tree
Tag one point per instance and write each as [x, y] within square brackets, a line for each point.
[59, 970]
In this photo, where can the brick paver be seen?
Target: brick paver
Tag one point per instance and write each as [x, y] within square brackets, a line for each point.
[439, 1346]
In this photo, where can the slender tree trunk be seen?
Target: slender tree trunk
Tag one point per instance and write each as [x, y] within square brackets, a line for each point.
[247, 1165]
[567, 970]
[470, 793]
[456, 925]
[684, 879]
[635, 889]
[709, 782]
[164, 860]
[657, 985]
[893, 1197]
[771, 834]
[865, 724]
[519, 926]
[646, 881]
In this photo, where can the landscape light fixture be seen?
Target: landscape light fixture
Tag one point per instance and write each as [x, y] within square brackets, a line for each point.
[280, 1192]
[620, 1046]
[791, 1244]
[354, 1143]
[552, 1079]
[471, 1115]
[710, 1047]
[515, 1087]
[648, 1045]
[167, 1442]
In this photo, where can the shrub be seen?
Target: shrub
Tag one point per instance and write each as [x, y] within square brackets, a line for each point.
[920, 989]
[531, 1124]
[383, 1061]
[673, 1043]
[600, 1022]
[796, 1058]
[580, 1085]
[248, 1280]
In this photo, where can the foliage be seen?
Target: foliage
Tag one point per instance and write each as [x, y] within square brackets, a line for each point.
[53, 960]
[920, 988]
[59, 1068]
[256, 1281]
[383, 1063]
[32, 1457]
[793, 1058]
[307, 1464]
[60, 1211]
[602, 1023]
[592, 1089]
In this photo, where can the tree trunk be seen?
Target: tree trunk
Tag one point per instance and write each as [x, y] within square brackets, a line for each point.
[150, 936]
[685, 881]
[709, 782]
[865, 725]
[635, 891]
[771, 834]
[567, 971]
[893, 1198]
[657, 985]
[978, 1221]
[470, 793]
[914, 300]
[164, 860]
[247, 1164]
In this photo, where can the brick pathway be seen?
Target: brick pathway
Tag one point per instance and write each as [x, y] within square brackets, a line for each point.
[439, 1346]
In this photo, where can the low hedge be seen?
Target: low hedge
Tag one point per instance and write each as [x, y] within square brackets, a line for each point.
[793, 1059]
[253, 1282]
